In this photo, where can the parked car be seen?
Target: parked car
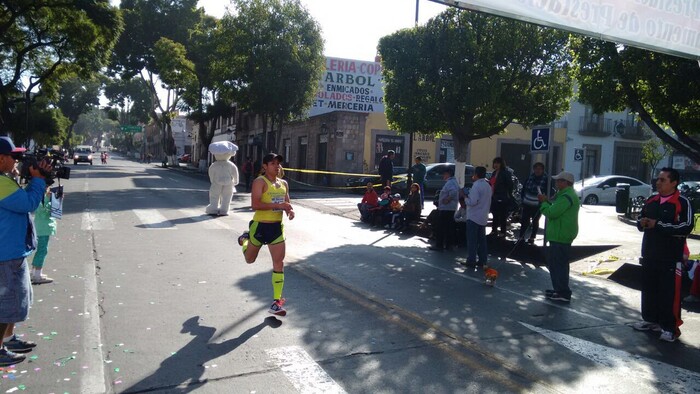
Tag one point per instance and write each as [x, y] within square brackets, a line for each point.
[433, 176]
[82, 155]
[601, 190]
[184, 158]
[399, 182]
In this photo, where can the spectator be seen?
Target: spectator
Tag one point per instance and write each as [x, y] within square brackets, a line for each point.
[411, 210]
[18, 242]
[478, 201]
[447, 204]
[386, 168]
[535, 184]
[562, 229]
[392, 214]
[370, 200]
[418, 171]
[247, 171]
[666, 220]
[45, 228]
[502, 186]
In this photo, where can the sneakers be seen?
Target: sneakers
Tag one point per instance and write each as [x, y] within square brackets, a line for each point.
[646, 326]
[667, 336]
[16, 345]
[277, 309]
[554, 296]
[691, 298]
[41, 280]
[10, 358]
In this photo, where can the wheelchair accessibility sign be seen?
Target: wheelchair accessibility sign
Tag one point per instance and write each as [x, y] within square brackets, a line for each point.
[540, 140]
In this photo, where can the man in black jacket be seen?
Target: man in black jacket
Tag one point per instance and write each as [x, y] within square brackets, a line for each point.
[666, 220]
[386, 168]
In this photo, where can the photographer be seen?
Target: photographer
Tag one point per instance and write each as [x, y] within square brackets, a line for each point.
[19, 240]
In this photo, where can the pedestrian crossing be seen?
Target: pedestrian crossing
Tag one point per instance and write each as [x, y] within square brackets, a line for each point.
[155, 219]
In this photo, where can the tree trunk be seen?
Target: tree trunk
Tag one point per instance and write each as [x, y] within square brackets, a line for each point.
[461, 142]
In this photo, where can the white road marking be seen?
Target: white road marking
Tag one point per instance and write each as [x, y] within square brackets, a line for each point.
[153, 219]
[93, 381]
[209, 222]
[302, 371]
[620, 363]
[97, 220]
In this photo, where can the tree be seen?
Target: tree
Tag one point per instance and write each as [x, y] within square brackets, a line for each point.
[275, 58]
[75, 97]
[653, 151]
[45, 41]
[131, 97]
[470, 75]
[147, 22]
[662, 90]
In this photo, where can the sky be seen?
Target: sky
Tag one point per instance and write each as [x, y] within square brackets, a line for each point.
[352, 28]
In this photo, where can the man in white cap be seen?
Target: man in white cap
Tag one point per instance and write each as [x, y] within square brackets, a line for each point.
[562, 228]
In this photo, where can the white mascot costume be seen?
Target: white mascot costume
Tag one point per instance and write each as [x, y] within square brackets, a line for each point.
[223, 175]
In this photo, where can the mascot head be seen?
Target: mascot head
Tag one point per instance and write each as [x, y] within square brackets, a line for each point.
[223, 150]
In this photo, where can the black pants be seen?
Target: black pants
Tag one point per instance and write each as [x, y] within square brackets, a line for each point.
[445, 230]
[530, 219]
[659, 293]
[499, 209]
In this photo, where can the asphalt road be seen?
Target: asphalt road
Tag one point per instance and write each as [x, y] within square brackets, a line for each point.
[151, 295]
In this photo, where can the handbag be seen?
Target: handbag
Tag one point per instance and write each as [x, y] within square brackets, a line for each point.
[531, 200]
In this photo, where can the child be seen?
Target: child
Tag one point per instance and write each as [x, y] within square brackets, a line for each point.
[45, 226]
[394, 211]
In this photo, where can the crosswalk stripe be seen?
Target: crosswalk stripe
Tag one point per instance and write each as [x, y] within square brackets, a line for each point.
[151, 218]
[302, 371]
[97, 220]
[208, 222]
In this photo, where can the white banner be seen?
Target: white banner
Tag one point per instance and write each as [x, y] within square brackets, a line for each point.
[669, 26]
[349, 85]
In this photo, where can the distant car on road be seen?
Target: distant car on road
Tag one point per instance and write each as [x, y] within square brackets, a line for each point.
[184, 158]
[82, 155]
[601, 190]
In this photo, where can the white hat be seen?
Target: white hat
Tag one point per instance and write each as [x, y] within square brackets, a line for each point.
[223, 148]
[567, 176]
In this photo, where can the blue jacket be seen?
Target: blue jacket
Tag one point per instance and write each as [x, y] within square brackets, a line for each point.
[16, 227]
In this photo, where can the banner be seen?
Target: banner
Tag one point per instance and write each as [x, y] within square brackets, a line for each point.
[667, 26]
[349, 85]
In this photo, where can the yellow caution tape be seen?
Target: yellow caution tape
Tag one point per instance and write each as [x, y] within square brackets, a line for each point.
[599, 271]
[609, 259]
[336, 173]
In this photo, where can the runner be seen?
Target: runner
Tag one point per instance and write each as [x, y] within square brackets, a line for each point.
[269, 198]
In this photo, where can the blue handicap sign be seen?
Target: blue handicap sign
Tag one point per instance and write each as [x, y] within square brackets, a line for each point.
[540, 140]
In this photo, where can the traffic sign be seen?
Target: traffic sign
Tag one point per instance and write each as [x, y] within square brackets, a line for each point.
[578, 154]
[540, 140]
[130, 128]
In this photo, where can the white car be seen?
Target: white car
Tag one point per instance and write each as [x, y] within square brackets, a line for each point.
[601, 190]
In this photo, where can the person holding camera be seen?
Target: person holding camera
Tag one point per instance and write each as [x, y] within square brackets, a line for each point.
[18, 242]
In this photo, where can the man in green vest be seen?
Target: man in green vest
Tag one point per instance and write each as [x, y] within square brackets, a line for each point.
[562, 228]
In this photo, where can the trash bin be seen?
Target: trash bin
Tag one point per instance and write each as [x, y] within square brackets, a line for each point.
[622, 197]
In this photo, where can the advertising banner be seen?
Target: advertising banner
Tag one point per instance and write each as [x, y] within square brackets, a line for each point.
[668, 26]
[349, 85]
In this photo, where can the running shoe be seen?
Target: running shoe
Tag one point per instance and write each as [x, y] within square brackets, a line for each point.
[10, 358]
[41, 280]
[277, 308]
[646, 326]
[667, 336]
[17, 345]
[558, 297]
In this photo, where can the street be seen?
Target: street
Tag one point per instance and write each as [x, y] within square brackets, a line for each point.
[152, 295]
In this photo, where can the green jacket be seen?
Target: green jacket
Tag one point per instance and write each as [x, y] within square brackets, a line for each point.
[562, 212]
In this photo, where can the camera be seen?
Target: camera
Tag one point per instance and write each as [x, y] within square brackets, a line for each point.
[55, 157]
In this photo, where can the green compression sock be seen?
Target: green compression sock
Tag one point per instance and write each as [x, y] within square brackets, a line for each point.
[277, 284]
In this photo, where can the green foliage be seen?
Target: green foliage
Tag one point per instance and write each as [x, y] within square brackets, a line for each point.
[92, 124]
[663, 90]
[471, 75]
[653, 151]
[43, 42]
[131, 97]
[274, 55]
